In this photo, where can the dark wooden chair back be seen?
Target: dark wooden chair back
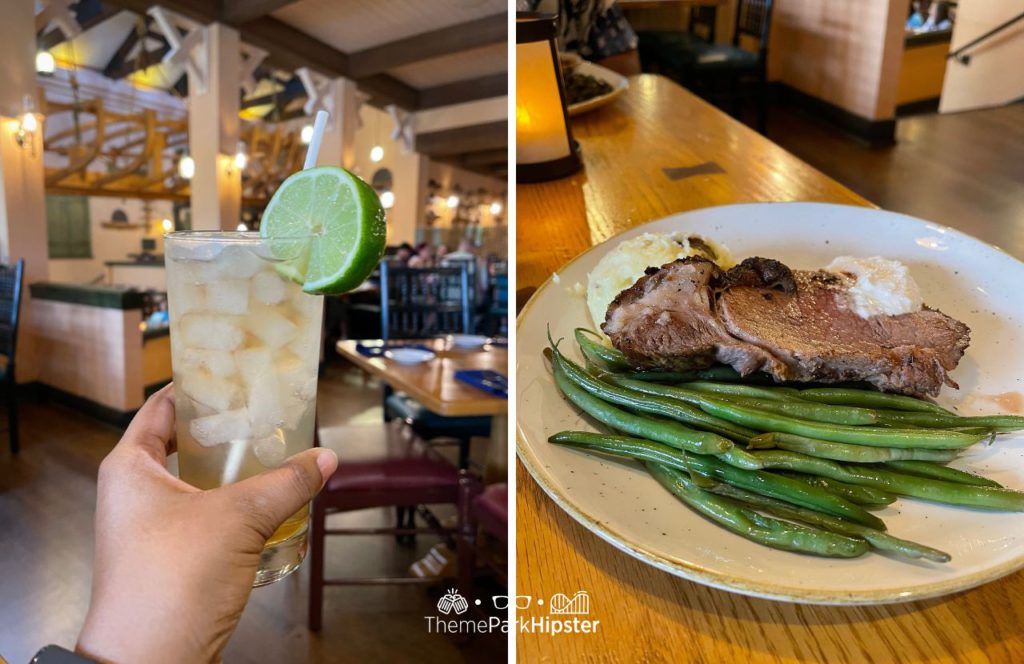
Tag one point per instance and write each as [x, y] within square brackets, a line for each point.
[416, 303]
[702, 22]
[10, 307]
[753, 19]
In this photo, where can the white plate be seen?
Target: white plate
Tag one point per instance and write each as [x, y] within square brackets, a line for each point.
[618, 82]
[962, 276]
[468, 340]
[409, 355]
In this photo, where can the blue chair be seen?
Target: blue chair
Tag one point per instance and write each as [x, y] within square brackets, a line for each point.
[418, 303]
[10, 308]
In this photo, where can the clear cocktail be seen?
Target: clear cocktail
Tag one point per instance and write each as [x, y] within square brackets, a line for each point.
[245, 348]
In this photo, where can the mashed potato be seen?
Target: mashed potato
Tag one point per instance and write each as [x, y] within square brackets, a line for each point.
[882, 287]
[623, 265]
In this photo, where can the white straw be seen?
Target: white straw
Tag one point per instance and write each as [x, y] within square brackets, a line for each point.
[314, 144]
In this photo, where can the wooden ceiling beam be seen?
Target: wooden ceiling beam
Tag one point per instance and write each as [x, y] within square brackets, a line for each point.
[241, 11]
[460, 140]
[485, 87]
[88, 13]
[287, 48]
[436, 43]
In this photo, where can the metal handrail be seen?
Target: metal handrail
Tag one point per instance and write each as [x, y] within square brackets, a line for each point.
[965, 59]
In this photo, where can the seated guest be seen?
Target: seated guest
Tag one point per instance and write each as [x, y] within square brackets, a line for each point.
[402, 254]
[596, 29]
[424, 256]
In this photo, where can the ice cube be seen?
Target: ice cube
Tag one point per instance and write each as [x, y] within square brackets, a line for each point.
[220, 427]
[212, 331]
[217, 362]
[308, 308]
[184, 294]
[228, 296]
[293, 409]
[262, 394]
[272, 328]
[270, 450]
[239, 262]
[209, 390]
[269, 287]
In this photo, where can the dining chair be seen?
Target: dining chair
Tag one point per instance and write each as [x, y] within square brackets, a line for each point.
[497, 312]
[704, 67]
[485, 514]
[418, 303]
[10, 308]
[398, 471]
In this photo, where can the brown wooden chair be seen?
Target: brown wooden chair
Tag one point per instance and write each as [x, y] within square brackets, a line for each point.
[397, 472]
[10, 308]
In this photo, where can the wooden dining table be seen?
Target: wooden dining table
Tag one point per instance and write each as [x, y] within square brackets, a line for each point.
[434, 385]
[658, 150]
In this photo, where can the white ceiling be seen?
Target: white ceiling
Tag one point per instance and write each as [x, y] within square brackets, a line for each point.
[354, 25]
[470, 64]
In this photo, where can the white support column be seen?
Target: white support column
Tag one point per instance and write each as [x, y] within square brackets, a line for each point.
[22, 187]
[213, 134]
[411, 174]
[339, 143]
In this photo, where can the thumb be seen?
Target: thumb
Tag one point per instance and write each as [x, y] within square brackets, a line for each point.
[272, 496]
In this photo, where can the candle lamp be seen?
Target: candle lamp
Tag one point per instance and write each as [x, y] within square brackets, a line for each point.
[545, 149]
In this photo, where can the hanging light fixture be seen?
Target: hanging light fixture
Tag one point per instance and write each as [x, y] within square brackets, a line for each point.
[306, 134]
[496, 208]
[45, 64]
[376, 153]
[167, 225]
[545, 149]
[186, 167]
[453, 202]
[387, 199]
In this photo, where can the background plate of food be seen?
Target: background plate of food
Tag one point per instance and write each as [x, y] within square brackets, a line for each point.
[954, 281]
[589, 86]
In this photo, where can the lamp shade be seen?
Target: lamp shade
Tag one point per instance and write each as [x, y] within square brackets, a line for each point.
[545, 149]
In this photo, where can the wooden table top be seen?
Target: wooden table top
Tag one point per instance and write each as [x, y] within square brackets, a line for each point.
[433, 383]
[647, 615]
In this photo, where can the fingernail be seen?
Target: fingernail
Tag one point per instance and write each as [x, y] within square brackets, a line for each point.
[326, 461]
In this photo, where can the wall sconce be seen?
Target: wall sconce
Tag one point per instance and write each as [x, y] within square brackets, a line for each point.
[387, 199]
[453, 202]
[376, 153]
[186, 167]
[241, 158]
[28, 124]
[167, 225]
[545, 149]
[496, 208]
[306, 134]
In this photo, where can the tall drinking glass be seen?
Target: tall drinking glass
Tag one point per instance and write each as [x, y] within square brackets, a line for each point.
[245, 347]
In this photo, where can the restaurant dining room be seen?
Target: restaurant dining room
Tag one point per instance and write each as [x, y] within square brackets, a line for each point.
[296, 210]
[764, 256]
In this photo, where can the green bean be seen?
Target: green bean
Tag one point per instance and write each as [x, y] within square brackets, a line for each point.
[876, 538]
[825, 449]
[870, 399]
[939, 491]
[670, 433]
[807, 410]
[770, 484]
[937, 472]
[756, 527]
[657, 376]
[862, 495]
[739, 389]
[599, 353]
[765, 421]
[1000, 423]
[670, 408]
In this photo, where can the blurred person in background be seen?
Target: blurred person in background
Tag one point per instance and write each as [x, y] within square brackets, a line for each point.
[424, 256]
[596, 29]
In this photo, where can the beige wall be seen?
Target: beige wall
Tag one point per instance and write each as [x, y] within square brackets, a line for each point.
[110, 244]
[996, 73]
[845, 53]
[449, 176]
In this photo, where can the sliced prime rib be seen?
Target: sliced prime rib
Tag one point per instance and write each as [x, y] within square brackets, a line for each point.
[793, 325]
